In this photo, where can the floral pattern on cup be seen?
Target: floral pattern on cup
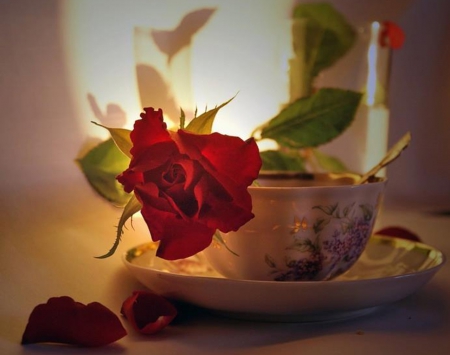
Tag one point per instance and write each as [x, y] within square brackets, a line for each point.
[352, 231]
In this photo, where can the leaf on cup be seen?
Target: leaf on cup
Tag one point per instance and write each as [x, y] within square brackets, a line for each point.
[320, 224]
[269, 261]
[329, 209]
[367, 211]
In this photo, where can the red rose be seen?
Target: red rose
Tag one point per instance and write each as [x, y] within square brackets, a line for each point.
[189, 185]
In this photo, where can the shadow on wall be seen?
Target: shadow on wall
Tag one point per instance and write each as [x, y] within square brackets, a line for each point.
[154, 89]
[40, 135]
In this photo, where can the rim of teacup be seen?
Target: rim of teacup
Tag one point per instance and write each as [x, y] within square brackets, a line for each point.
[323, 180]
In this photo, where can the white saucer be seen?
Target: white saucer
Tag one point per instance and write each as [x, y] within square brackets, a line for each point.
[389, 270]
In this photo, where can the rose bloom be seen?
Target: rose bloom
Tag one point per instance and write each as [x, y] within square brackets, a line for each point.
[189, 184]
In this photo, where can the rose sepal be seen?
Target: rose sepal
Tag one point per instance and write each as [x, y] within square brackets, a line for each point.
[121, 137]
[203, 123]
[133, 206]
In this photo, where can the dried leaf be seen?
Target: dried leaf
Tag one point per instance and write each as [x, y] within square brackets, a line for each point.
[390, 156]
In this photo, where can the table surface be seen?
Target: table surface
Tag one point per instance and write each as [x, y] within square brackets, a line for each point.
[51, 231]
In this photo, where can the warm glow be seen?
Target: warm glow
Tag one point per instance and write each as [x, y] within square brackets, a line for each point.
[242, 49]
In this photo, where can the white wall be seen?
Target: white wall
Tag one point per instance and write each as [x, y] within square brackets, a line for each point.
[41, 133]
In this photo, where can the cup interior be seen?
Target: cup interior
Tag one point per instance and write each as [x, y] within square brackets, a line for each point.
[300, 179]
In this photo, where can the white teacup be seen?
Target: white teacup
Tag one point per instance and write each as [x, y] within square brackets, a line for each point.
[306, 227]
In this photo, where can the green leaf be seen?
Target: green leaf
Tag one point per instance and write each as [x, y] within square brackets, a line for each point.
[278, 160]
[329, 210]
[367, 210]
[302, 246]
[329, 163]
[348, 209]
[269, 261]
[101, 165]
[203, 123]
[133, 206]
[182, 119]
[320, 224]
[313, 120]
[327, 36]
[121, 137]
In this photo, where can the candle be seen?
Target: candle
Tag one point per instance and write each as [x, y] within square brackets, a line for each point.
[376, 141]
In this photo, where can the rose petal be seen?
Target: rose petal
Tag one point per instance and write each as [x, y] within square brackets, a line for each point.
[148, 312]
[62, 320]
[179, 238]
[147, 159]
[222, 155]
[129, 179]
[399, 232]
[391, 35]
[225, 215]
[232, 165]
[148, 131]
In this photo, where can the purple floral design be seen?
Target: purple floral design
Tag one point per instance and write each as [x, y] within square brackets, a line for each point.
[346, 247]
[342, 250]
[303, 269]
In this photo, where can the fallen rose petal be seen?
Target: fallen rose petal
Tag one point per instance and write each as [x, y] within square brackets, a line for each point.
[62, 320]
[399, 232]
[148, 312]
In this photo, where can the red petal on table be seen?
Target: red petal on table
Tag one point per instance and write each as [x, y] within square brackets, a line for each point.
[399, 232]
[148, 312]
[62, 320]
